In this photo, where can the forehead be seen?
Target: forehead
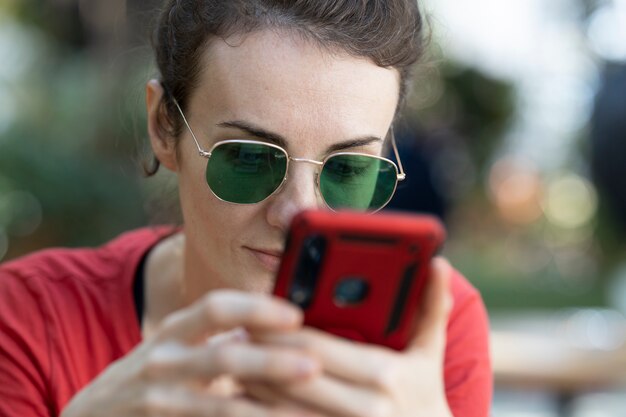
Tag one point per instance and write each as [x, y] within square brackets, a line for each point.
[292, 86]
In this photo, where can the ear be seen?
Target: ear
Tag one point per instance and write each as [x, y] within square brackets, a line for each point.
[163, 145]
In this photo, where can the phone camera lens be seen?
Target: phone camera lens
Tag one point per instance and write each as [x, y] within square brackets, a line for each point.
[313, 247]
[351, 291]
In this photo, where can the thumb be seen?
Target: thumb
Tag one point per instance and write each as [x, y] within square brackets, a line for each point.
[435, 308]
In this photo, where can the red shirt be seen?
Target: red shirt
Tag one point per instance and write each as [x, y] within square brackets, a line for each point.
[67, 314]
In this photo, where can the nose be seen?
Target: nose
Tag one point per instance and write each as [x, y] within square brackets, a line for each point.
[297, 193]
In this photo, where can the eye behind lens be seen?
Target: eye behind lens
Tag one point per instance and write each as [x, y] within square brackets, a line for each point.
[357, 182]
[245, 173]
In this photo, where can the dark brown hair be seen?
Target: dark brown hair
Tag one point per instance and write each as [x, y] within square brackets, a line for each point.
[389, 32]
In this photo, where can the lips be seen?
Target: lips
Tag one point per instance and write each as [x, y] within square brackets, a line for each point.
[269, 259]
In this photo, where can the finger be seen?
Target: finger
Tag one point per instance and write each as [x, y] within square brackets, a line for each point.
[269, 396]
[266, 394]
[177, 362]
[223, 310]
[236, 335]
[330, 396]
[433, 315]
[169, 401]
[351, 361]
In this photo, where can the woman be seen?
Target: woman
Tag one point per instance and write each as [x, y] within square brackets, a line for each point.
[201, 337]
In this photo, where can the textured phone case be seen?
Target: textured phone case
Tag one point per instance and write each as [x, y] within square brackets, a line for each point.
[391, 252]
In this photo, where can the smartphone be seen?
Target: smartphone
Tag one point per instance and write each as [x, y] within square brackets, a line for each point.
[357, 275]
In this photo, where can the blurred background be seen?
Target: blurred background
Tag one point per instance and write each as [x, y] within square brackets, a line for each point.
[515, 136]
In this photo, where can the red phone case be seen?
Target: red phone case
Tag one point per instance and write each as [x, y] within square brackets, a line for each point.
[383, 258]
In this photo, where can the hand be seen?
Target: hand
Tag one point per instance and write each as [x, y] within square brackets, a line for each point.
[166, 375]
[370, 381]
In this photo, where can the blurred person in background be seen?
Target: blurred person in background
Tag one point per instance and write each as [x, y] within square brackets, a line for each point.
[178, 320]
[419, 192]
[608, 142]
[608, 150]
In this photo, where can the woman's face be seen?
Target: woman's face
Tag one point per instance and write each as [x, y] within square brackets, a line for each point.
[314, 100]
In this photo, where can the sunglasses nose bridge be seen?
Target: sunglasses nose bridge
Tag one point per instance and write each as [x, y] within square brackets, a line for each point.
[318, 164]
[305, 160]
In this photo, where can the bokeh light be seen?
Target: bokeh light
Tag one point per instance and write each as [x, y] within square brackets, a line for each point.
[607, 31]
[16, 48]
[571, 201]
[516, 190]
[598, 329]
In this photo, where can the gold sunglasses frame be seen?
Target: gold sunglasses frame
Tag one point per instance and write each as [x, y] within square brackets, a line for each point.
[400, 175]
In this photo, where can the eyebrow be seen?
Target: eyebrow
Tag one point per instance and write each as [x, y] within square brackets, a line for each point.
[279, 140]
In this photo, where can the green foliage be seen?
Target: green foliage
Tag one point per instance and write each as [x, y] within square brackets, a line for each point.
[474, 105]
[72, 147]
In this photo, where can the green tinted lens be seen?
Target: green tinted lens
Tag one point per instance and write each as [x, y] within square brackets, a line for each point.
[357, 182]
[245, 173]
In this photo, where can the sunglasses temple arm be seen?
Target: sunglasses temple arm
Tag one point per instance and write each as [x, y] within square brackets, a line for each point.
[401, 175]
[201, 151]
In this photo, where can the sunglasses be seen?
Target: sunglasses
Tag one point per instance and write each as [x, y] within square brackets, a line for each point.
[248, 171]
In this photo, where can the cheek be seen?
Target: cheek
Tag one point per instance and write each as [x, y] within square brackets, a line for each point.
[201, 210]
[193, 190]
[209, 229]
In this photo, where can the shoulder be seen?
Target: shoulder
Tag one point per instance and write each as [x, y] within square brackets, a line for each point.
[468, 375]
[468, 308]
[95, 264]
[468, 319]
[462, 290]
[64, 286]
[68, 306]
